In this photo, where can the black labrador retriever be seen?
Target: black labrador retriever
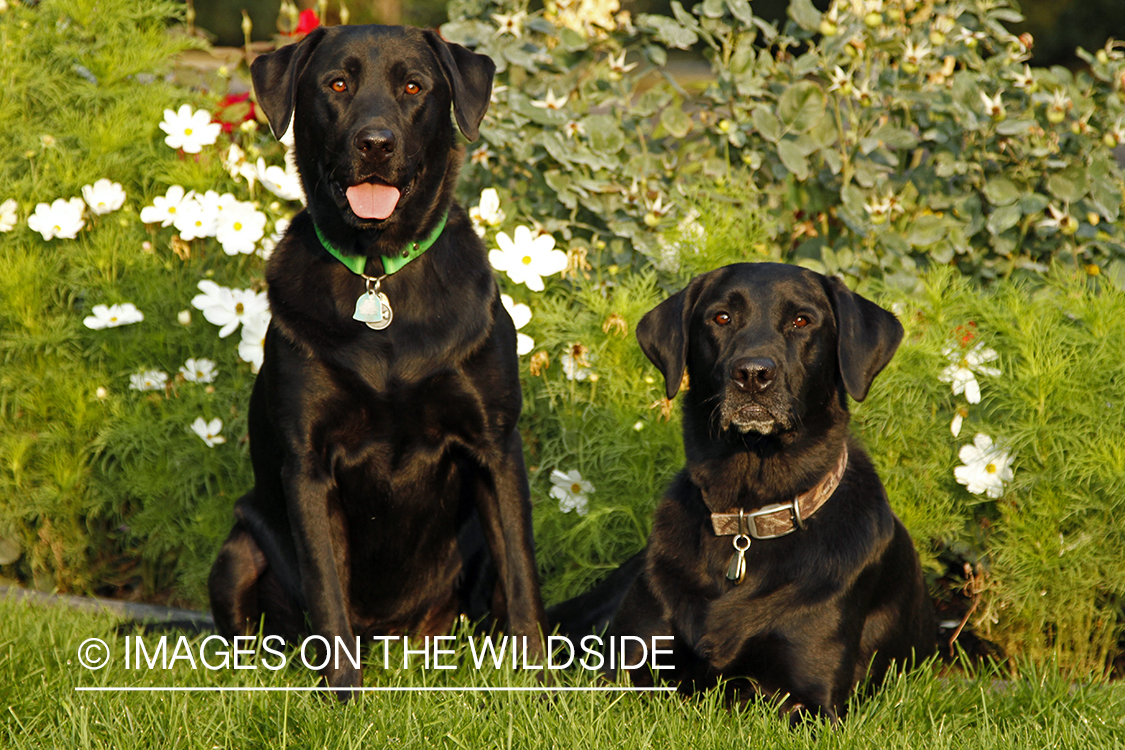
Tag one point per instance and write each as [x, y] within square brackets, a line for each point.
[774, 560]
[390, 491]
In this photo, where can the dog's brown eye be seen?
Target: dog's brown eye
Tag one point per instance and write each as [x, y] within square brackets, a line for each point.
[339, 85]
[800, 321]
[722, 319]
[413, 88]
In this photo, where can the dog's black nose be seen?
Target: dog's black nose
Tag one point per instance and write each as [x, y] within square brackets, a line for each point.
[375, 144]
[753, 374]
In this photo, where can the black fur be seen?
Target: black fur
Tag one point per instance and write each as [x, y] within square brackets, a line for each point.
[390, 491]
[770, 350]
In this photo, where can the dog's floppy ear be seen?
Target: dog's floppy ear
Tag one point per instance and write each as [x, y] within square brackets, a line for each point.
[866, 337]
[663, 335]
[275, 77]
[470, 76]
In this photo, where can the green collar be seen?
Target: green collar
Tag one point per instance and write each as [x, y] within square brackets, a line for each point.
[357, 264]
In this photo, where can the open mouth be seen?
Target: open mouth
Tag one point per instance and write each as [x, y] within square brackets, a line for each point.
[373, 200]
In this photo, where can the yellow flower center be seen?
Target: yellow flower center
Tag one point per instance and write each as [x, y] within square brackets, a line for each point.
[239, 309]
[527, 260]
[991, 468]
[238, 226]
[187, 131]
[965, 363]
[576, 488]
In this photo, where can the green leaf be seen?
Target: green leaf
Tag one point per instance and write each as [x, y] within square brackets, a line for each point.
[893, 137]
[1033, 203]
[767, 124]
[1001, 191]
[832, 159]
[676, 121]
[866, 172]
[713, 8]
[560, 183]
[668, 31]
[740, 9]
[804, 14]
[801, 106]
[572, 41]
[1014, 127]
[605, 134]
[1003, 219]
[791, 156]
[926, 230]
[1068, 185]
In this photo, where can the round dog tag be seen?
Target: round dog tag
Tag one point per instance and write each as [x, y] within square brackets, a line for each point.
[386, 313]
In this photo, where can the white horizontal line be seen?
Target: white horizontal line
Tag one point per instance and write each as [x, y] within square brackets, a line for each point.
[229, 689]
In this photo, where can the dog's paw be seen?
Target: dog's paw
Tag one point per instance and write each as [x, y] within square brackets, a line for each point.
[800, 713]
[341, 680]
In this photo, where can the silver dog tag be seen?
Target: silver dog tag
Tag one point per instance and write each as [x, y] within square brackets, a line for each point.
[374, 309]
[736, 571]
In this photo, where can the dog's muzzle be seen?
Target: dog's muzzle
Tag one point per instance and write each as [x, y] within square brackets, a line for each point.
[751, 402]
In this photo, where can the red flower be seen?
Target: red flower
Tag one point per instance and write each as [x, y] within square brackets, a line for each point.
[306, 22]
[233, 110]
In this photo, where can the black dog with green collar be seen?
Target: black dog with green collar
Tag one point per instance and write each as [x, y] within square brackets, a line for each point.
[390, 491]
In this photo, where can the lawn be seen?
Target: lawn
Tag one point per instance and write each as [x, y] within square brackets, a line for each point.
[930, 708]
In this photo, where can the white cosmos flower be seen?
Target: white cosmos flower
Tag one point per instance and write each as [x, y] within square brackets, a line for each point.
[165, 208]
[527, 259]
[285, 182]
[193, 219]
[958, 419]
[189, 130]
[573, 369]
[104, 196]
[487, 213]
[269, 244]
[62, 218]
[199, 370]
[208, 432]
[239, 228]
[233, 161]
[148, 380]
[993, 106]
[113, 316]
[521, 316]
[550, 101]
[8, 215]
[510, 23]
[252, 347]
[965, 363]
[227, 307]
[570, 489]
[986, 467]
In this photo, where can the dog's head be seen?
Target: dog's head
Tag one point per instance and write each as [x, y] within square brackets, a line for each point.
[369, 108]
[763, 343]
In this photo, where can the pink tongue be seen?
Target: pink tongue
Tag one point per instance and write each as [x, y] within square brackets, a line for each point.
[372, 201]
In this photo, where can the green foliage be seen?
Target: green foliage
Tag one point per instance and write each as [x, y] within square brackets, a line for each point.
[1043, 554]
[608, 419]
[873, 150]
[586, 132]
[877, 153]
[100, 485]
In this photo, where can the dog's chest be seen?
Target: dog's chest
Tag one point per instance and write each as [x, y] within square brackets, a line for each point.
[392, 428]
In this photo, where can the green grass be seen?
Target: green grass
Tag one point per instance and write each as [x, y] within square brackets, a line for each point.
[39, 672]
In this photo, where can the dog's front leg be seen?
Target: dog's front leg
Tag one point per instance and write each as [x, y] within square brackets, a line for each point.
[504, 505]
[318, 534]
